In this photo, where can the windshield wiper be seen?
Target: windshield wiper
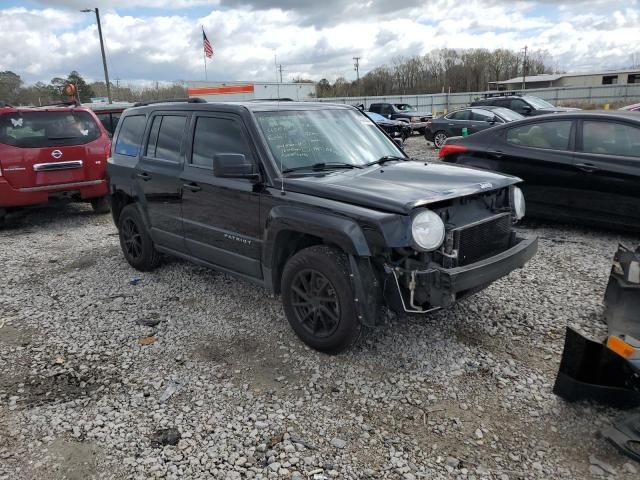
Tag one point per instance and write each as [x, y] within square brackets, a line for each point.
[318, 167]
[386, 158]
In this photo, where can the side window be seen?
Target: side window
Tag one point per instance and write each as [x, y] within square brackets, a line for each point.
[130, 135]
[217, 135]
[387, 109]
[461, 115]
[610, 138]
[165, 137]
[553, 135]
[481, 115]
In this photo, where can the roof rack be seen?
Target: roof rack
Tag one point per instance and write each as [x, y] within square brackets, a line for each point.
[504, 93]
[272, 100]
[173, 100]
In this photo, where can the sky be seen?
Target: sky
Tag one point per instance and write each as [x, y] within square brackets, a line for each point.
[149, 40]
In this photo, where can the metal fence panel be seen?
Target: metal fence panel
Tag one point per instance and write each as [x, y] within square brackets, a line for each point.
[441, 102]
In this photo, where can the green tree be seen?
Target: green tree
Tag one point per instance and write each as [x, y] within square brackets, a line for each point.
[10, 84]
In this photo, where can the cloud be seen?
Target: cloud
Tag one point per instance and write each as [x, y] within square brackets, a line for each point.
[310, 38]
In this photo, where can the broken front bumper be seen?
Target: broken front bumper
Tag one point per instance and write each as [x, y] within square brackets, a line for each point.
[443, 286]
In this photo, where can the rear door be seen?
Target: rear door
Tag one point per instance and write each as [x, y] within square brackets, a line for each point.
[540, 153]
[608, 162]
[158, 177]
[41, 148]
[456, 121]
[221, 215]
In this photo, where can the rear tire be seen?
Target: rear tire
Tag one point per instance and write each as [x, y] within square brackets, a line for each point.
[135, 241]
[101, 204]
[318, 299]
[439, 138]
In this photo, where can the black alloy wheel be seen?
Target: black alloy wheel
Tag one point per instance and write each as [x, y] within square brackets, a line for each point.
[318, 299]
[315, 303]
[135, 241]
[131, 239]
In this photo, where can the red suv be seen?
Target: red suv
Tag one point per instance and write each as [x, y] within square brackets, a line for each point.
[50, 152]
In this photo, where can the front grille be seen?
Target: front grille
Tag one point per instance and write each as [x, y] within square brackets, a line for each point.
[483, 239]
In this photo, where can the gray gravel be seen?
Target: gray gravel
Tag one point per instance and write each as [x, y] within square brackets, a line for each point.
[191, 373]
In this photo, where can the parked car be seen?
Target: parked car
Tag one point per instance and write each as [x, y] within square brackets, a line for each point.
[526, 105]
[109, 113]
[313, 202]
[57, 151]
[404, 113]
[394, 128]
[473, 119]
[582, 167]
[632, 108]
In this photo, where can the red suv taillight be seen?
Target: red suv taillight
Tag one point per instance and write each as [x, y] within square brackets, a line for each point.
[451, 149]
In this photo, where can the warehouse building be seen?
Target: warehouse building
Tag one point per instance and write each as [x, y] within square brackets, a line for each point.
[590, 79]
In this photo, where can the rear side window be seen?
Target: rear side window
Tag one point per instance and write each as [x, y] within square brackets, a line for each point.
[47, 129]
[552, 135]
[165, 137]
[213, 136]
[608, 138]
[130, 136]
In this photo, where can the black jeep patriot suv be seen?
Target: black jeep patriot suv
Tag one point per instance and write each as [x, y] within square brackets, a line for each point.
[314, 202]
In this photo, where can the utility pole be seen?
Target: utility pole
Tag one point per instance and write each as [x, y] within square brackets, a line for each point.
[280, 71]
[524, 69]
[104, 57]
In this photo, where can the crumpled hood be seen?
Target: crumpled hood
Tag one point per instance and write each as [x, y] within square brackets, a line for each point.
[399, 187]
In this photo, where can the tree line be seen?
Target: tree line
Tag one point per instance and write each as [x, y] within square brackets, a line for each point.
[14, 92]
[444, 70]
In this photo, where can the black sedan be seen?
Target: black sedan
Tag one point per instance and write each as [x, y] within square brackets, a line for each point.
[394, 128]
[474, 119]
[578, 167]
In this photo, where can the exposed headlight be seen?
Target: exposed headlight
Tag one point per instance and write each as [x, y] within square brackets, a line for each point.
[517, 203]
[427, 230]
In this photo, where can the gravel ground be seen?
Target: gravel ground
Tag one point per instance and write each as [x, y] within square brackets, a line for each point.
[96, 359]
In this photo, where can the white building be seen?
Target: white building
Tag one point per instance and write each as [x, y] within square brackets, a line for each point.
[239, 91]
[589, 79]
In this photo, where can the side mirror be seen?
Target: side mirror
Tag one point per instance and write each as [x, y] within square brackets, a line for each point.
[527, 109]
[399, 143]
[389, 116]
[492, 120]
[233, 165]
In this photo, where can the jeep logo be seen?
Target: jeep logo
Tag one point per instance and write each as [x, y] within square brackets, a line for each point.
[56, 154]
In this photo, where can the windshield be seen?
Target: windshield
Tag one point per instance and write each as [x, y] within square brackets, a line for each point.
[538, 102]
[508, 115]
[47, 129]
[309, 137]
[405, 107]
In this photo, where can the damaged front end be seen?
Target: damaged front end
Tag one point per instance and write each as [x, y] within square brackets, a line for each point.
[479, 246]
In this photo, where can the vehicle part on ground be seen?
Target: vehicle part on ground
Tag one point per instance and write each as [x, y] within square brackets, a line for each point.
[589, 370]
[622, 297]
[624, 434]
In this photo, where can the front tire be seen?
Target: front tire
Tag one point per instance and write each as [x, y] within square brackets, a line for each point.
[318, 299]
[101, 204]
[135, 240]
[439, 138]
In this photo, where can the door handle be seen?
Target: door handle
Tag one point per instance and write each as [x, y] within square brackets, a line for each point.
[193, 187]
[587, 167]
[496, 153]
[144, 176]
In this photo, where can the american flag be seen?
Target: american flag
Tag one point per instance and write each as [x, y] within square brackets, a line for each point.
[208, 49]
